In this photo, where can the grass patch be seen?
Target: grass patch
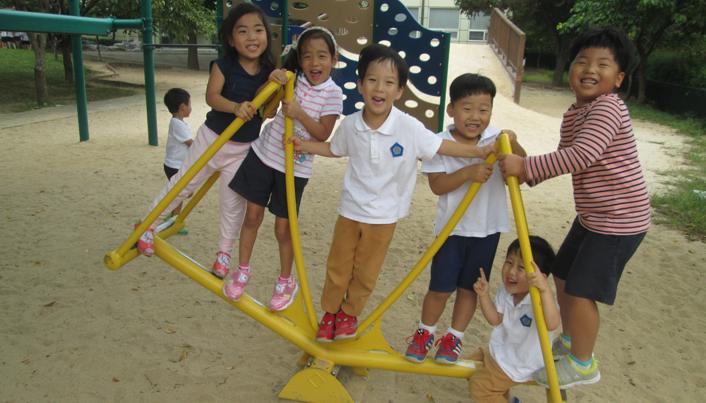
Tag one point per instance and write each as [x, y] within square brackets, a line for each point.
[680, 207]
[18, 92]
[542, 76]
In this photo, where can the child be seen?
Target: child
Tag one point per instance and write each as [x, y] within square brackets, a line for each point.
[317, 104]
[383, 145]
[474, 240]
[598, 148]
[178, 102]
[514, 352]
[234, 82]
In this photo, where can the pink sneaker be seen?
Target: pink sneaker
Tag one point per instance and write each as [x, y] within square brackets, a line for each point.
[146, 242]
[221, 267]
[285, 293]
[234, 288]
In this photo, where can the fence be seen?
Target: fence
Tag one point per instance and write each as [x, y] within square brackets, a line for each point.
[675, 98]
[508, 42]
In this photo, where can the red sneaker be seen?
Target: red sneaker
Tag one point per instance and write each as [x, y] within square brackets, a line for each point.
[325, 333]
[346, 326]
[146, 242]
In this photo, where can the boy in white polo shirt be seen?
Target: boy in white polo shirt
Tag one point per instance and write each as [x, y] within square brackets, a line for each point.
[383, 145]
[473, 242]
[514, 352]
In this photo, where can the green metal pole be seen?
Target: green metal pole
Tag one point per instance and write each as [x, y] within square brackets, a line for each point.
[444, 81]
[79, 79]
[285, 25]
[219, 22]
[148, 55]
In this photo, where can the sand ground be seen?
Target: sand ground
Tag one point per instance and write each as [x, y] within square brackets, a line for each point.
[71, 330]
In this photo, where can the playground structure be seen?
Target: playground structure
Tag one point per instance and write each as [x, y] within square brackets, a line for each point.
[508, 42]
[317, 381]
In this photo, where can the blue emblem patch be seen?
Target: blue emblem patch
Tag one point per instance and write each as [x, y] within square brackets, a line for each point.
[526, 320]
[397, 150]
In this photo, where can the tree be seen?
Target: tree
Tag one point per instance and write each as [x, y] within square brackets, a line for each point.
[545, 15]
[185, 20]
[645, 21]
[38, 43]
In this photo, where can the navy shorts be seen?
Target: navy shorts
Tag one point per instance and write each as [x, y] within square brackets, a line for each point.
[265, 186]
[592, 263]
[170, 171]
[458, 262]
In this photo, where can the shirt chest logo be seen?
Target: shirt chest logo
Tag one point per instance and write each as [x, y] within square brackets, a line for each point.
[396, 150]
[526, 320]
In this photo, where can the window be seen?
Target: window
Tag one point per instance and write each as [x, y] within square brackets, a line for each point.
[444, 18]
[415, 13]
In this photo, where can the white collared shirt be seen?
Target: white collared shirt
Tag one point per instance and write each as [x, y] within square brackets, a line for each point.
[488, 212]
[317, 101]
[514, 344]
[179, 133]
[382, 165]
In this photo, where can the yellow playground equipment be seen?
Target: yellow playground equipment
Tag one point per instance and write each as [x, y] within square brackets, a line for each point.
[298, 324]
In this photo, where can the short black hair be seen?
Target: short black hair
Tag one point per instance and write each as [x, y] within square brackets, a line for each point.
[610, 38]
[542, 253]
[471, 84]
[174, 98]
[382, 53]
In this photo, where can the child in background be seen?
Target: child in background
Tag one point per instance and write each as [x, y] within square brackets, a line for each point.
[178, 102]
[234, 82]
[317, 104]
[383, 145]
[514, 352]
[473, 242]
[597, 147]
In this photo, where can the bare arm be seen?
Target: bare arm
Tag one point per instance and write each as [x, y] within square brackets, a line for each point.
[215, 100]
[442, 183]
[516, 147]
[188, 142]
[322, 148]
[490, 312]
[318, 130]
[455, 149]
[551, 312]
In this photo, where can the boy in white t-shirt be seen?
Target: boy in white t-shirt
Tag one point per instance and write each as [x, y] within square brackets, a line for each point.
[473, 242]
[178, 102]
[383, 145]
[514, 352]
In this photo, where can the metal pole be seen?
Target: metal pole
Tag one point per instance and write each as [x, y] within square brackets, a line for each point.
[148, 55]
[79, 79]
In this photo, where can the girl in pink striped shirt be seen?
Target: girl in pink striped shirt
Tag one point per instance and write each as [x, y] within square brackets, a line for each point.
[598, 148]
[317, 104]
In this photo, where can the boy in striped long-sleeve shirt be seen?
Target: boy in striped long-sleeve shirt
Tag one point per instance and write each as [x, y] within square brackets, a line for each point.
[598, 148]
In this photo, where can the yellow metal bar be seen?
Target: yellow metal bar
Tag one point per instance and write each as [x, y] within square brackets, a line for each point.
[336, 352]
[523, 235]
[114, 260]
[197, 197]
[292, 210]
[426, 258]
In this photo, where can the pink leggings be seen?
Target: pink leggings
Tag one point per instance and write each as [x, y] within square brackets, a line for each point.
[227, 160]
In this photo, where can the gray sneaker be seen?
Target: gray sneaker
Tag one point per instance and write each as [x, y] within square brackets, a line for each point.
[569, 375]
[559, 349]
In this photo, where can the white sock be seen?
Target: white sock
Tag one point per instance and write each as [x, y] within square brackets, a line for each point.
[430, 329]
[456, 333]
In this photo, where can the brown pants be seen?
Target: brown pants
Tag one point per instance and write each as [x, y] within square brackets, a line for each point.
[489, 384]
[354, 263]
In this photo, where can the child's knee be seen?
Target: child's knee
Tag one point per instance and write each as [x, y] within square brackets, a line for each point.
[282, 231]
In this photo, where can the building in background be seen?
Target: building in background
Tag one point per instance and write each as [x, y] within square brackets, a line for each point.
[444, 15]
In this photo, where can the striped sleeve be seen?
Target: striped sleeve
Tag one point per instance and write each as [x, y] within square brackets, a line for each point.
[598, 148]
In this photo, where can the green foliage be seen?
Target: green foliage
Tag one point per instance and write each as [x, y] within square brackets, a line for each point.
[679, 206]
[541, 76]
[17, 90]
[677, 67]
